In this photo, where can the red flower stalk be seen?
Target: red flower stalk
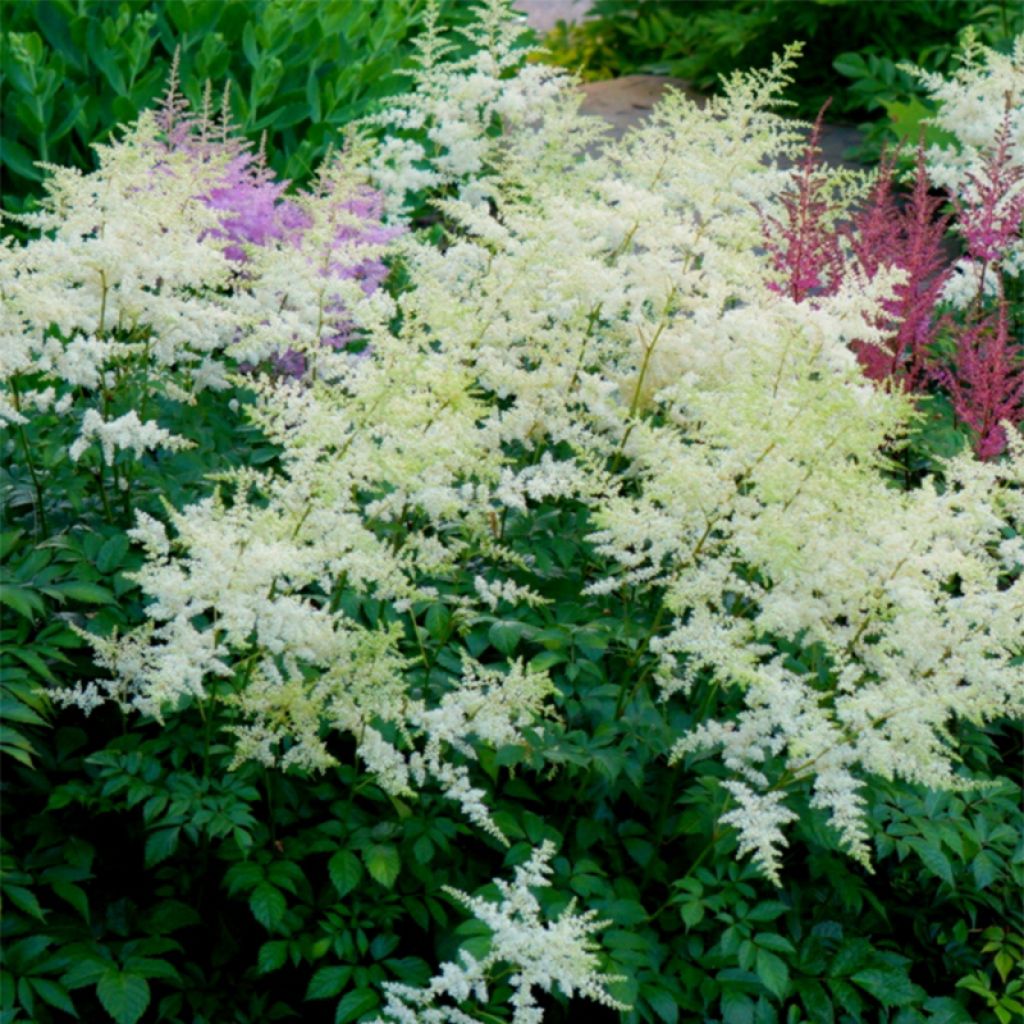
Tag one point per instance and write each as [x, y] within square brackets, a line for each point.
[987, 383]
[803, 246]
[995, 198]
[907, 235]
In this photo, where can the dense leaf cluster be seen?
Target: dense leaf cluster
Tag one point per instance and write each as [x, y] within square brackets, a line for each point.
[71, 71]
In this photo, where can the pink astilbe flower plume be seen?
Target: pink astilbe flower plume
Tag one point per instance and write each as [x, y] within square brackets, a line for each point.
[256, 211]
[991, 217]
[907, 235]
[804, 245]
[987, 383]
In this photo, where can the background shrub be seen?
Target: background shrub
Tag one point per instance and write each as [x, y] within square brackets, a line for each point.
[72, 69]
[852, 52]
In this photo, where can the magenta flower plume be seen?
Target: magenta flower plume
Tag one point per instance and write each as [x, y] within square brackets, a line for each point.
[908, 235]
[803, 245]
[987, 383]
[991, 218]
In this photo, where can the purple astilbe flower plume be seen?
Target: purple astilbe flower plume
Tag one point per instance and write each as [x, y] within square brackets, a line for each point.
[907, 235]
[256, 210]
[987, 383]
[804, 244]
[990, 219]
[253, 202]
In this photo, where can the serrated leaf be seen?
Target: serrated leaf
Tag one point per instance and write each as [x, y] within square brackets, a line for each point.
[86, 593]
[24, 900]
[663, 1003]
[944, 1010]
[328, 982]
[54, 994]
[73, 895]
[985, 869]
[111, 555]
[767, 911]
[354, 1005]
[124, 996]
[8, 539]
[383, 863]
[737, 1008]
[345, 871]
[267, 905]
[773, 972]
[692, 914]
[504, 635]
[271, 956]
[25, 603]
[776, 943]
[933, 859]
[817, 1003]
[890, 987]
[161, 844]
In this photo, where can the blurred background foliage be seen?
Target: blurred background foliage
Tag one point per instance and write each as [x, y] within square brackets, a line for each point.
[853, 48]
[70, 70]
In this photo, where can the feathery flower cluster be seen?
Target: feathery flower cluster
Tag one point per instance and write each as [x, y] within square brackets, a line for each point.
[543, 954]
[908, 236]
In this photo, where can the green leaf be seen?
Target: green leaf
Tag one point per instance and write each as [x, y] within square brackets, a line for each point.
[663, 1003]
[767, 911]
[86, 593]
[271, 956]
[945, 1010]
[933, 859]
[54, 994]
[504, 635]
[267, 904]
[111, 555]
[24, 900]
[73, 895]
[692, 914]
[816, 1002]
[345, 871]
[773, 972]
[328, 982]
[985, 869]
[160, 845]
[737, 1008]
[776, 943]
[383, 863]
[354, 1005]
[8, 539]
[124, 996]
[21, 600]
[850, 64]
[889, 986]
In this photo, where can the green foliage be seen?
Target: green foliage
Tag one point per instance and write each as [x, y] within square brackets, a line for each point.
[70, 70]
[701, 41]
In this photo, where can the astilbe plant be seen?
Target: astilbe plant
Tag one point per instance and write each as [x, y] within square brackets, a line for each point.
[603, 330]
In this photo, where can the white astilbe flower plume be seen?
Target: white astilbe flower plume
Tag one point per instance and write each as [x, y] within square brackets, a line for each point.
[542, 954]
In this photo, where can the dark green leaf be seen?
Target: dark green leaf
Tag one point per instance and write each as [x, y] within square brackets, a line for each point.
[267, 904]
[124, 996]
[345, 871]
[383, 863]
